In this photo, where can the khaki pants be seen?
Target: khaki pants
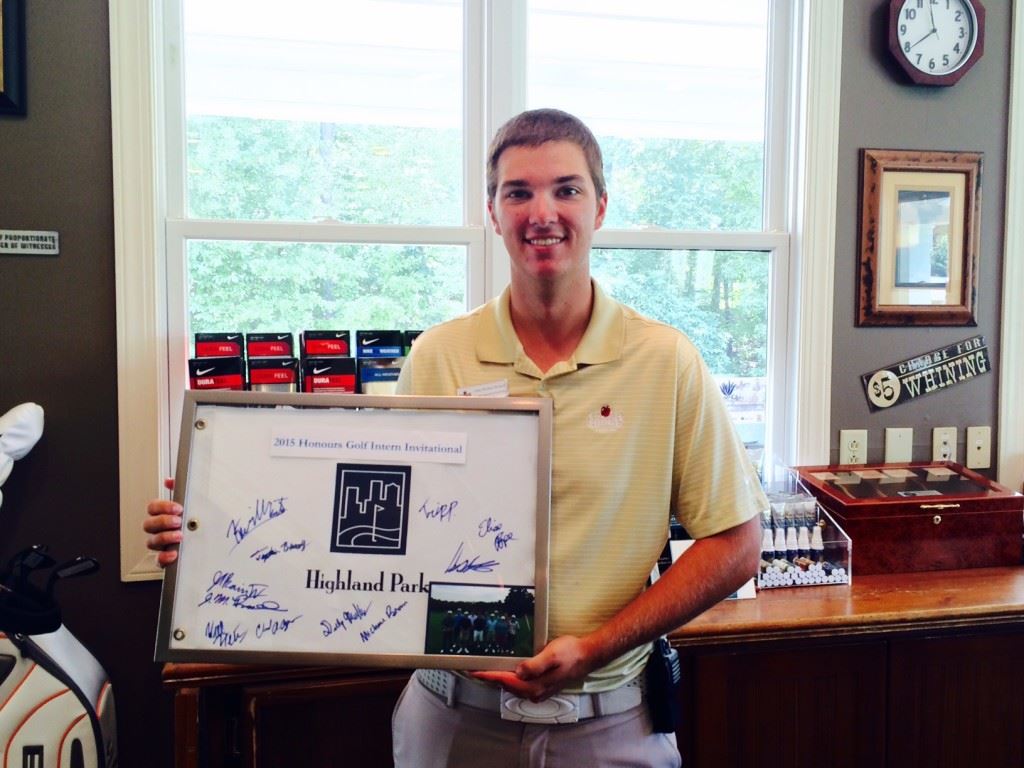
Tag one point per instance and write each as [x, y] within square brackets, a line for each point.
[429, 734]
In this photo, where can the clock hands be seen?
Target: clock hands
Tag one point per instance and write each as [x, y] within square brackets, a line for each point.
[933, 31]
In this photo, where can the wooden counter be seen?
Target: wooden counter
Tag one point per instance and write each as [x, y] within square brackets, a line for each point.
[917, 669]
[872, 605]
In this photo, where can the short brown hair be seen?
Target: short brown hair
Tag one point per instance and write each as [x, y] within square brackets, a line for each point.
[537, 126]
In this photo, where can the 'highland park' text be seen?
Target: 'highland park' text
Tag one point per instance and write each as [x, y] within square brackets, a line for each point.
[393, 582]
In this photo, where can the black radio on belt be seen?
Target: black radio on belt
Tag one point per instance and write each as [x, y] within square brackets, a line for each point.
[663, 676]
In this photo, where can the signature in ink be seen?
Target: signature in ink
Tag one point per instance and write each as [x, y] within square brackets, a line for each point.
[443, 511]
[265, 553]
[389, 613]
[343, 622]
[223, 637]
[265, 511]
[488, 526]
[458, 565]
[274, 626]
[224, 591]
[501, 537]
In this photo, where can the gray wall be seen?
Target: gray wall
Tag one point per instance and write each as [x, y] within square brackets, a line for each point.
[881, 110]
[57, 317]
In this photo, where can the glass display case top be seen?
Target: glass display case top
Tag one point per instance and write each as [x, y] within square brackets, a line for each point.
[903, 483]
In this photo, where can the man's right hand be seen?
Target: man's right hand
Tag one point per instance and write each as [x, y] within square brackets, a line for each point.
[163, 523]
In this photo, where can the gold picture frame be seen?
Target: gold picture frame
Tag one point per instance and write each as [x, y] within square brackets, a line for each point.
[12, 57]
[919, 237]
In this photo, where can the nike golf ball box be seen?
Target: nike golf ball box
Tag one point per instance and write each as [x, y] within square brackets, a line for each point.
[273, 374]
[380, 344]
[328, 343]
[379, 376]
[216, 373]
[218, 344]
[329, 374]
[268, 344]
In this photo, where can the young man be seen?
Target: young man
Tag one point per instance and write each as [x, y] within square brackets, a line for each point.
[639, 431]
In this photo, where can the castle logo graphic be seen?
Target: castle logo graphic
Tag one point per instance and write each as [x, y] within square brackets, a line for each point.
[371, 509]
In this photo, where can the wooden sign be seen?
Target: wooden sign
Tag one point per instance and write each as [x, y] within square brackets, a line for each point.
[927, 373]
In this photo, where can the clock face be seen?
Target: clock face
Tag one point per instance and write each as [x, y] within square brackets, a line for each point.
[936, 37]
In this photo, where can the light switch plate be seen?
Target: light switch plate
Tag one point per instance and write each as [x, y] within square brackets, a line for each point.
[899, 445]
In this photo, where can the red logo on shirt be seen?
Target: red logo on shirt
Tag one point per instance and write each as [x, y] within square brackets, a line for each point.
[604, 420]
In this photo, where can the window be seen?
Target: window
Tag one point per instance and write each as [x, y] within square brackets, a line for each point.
[323, 167]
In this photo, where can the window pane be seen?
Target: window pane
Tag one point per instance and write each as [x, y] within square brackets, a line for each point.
[318, 109]
[719, 299]
[259, 286]
[674, 91]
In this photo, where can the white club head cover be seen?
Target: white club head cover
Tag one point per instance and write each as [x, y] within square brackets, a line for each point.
[20, 429]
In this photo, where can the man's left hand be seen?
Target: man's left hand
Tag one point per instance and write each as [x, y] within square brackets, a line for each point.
[564, 660]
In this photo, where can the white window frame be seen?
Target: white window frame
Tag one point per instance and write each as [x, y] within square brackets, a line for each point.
[1010, 468]
[150, 229]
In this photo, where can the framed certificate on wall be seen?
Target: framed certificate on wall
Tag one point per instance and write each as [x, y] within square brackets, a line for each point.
[354, 529]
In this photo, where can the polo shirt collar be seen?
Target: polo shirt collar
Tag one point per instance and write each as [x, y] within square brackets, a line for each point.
[602, 342]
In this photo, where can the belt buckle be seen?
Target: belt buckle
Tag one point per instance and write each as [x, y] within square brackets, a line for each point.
[559, 709]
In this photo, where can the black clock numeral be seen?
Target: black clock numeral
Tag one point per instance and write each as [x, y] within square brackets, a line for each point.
[958, 16]
[945, 59]
[906, 46]
[918, 59]
[903, 29]
[963, 33]
[911, 14]
[931, 63]
[956, 48]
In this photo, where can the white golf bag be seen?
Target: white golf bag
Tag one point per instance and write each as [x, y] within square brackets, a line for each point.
[56, 704]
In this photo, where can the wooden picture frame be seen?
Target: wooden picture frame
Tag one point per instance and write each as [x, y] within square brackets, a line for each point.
[12, 57]
[919, 237]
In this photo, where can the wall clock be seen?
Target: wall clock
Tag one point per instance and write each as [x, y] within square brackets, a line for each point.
[936, 41]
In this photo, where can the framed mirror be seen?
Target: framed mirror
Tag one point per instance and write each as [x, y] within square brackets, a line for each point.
[919, 237]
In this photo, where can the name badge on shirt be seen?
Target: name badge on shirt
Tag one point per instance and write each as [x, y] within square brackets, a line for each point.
[490, 389]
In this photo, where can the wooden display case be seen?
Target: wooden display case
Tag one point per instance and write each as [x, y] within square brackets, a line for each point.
[920, 516]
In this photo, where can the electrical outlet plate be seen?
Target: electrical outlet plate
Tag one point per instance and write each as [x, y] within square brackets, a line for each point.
[978, 448]
[899, 445]
[853, 446]
[944, 444]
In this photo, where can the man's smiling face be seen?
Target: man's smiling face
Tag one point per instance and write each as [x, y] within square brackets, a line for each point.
[546, 209]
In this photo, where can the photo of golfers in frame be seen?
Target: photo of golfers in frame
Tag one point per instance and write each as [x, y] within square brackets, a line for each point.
[480, 620]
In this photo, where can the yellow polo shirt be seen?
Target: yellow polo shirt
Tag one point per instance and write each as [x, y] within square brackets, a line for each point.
[640, 430]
